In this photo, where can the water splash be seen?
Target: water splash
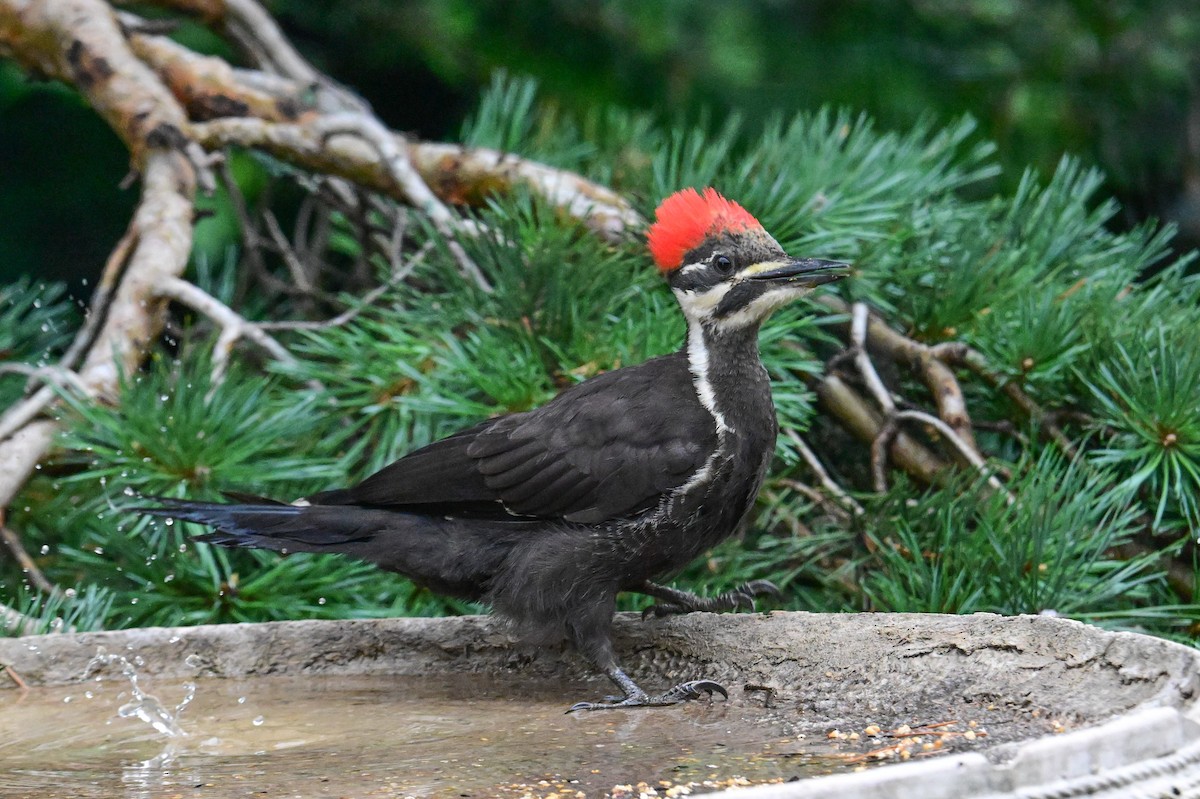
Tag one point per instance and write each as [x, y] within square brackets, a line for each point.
[143, 706]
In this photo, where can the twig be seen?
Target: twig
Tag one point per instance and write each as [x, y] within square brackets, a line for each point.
[13, 542]
[250, 236]
[202, 83]
[858, 335]
[818, 469]
[17, 622]
[284, 248]
[257, 33]
[395, 160]
[19, 456]
[408, 183]
[933, 372]
[233, 325]
[20, 414]
[114, 266]
[9, 670]
[453, 172]
[856, 414]
[967, 452]
[858, 342]
[25, 411]
[963, 355]
[879, 449]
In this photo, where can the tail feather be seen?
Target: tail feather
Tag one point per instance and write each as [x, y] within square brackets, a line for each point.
[451, 556]
[266, 524]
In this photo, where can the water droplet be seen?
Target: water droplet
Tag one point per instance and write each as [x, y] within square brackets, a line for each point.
[99, 550]
[258, 721]
[45, 549]
[321, 601]
[195, 661]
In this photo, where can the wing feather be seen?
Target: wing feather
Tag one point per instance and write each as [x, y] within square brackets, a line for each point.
[608, 447]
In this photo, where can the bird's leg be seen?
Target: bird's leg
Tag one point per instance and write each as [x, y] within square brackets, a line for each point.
[596, 645]
[674, 602]
[636, 697]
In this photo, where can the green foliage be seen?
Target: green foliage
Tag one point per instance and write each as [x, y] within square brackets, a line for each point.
[35, 323]
[1149, 395]
[1035, 281]
[973, 551]
[179, 432]
[70, 610]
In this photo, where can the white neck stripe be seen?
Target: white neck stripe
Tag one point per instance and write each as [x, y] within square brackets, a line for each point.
[698, 365]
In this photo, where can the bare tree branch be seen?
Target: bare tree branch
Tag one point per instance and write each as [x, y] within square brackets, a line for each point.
[933, 372]
[960, 354]
[13, 542]
[233, 325]
[814, 463]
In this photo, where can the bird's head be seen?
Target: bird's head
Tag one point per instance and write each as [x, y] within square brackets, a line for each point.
[724, 268]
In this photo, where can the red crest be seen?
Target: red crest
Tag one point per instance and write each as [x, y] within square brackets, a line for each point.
[686, 218]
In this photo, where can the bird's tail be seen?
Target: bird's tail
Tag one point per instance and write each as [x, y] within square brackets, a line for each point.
[266, 524]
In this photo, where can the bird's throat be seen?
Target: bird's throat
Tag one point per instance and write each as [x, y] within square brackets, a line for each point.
[727, 373]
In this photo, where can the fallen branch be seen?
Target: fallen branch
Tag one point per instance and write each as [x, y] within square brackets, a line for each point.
[866, 424]
[972, 456]
[932, 371]
[25, 411]
[960, 354]
[14, 621]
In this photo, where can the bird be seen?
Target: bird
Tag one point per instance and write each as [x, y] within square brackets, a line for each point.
[614, 485]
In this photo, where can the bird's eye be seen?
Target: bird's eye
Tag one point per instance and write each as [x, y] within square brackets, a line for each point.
[723, 264]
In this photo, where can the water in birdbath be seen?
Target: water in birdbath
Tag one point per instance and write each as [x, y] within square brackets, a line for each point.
[380, 736]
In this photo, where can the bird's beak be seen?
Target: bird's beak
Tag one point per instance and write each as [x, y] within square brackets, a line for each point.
[800, 271]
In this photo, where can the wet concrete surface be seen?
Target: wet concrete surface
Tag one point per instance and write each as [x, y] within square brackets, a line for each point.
[456, 708]
[378, 736]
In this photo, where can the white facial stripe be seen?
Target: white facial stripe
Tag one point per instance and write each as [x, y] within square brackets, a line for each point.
[692, 268]
[699, 304]
[762, 306]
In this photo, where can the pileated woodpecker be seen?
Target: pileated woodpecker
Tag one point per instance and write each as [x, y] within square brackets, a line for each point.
[615, 483]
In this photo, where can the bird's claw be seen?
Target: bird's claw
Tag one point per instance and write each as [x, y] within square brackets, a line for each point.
[660, 609]
[760, 588]
[740, 598]
[684, 692]
[693, 689]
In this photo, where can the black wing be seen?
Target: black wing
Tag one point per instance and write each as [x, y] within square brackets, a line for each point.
[607, 447]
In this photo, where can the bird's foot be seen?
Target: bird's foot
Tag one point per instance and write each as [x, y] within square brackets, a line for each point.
[680, 602]
[684, 692]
